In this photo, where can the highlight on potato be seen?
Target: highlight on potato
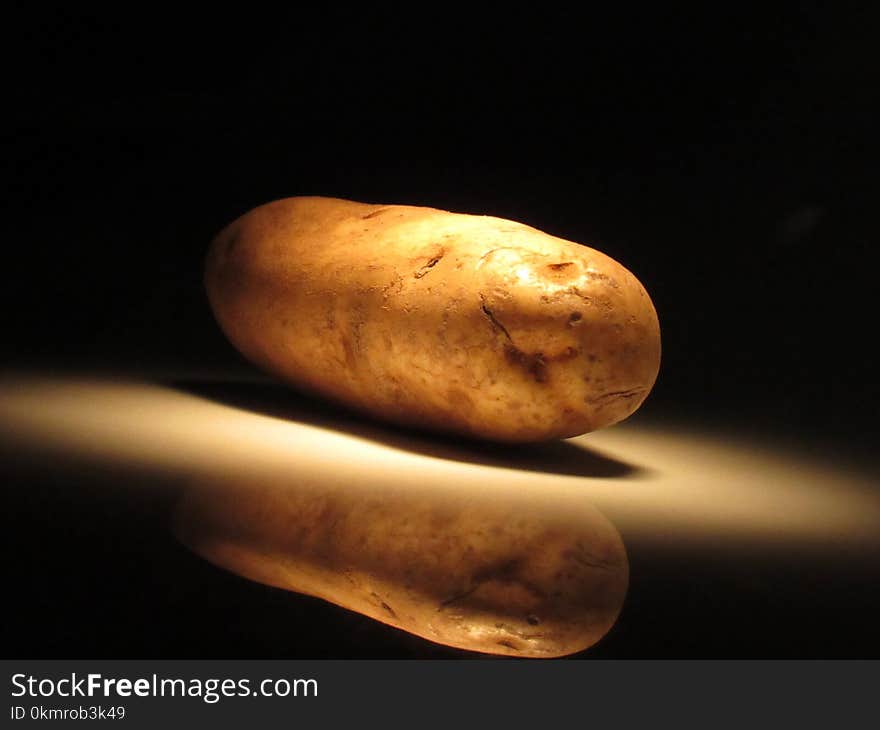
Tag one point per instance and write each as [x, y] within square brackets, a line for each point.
[461, 323]
[522, 577]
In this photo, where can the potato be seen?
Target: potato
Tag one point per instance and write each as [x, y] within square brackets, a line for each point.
[499, 576]
[469, 324]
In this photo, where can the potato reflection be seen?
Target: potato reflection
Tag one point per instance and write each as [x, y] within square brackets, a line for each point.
[520, 577]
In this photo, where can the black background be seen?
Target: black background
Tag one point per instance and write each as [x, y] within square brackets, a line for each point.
[726, 155]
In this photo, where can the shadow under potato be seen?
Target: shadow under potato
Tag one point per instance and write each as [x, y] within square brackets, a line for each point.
[279, 401]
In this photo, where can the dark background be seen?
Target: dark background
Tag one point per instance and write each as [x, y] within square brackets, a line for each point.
[727, 156]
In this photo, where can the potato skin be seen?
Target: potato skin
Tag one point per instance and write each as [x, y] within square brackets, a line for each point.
[468, 324]
[506, 577]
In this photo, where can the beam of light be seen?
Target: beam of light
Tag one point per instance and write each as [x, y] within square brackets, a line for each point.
[659, 486]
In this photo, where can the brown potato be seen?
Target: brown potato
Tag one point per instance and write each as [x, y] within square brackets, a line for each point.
[520, 577]
[462, 323]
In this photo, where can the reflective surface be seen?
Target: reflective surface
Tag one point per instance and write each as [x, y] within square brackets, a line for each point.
[700, 505]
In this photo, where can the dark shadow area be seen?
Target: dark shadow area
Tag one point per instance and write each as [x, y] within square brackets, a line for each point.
[278, 401]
